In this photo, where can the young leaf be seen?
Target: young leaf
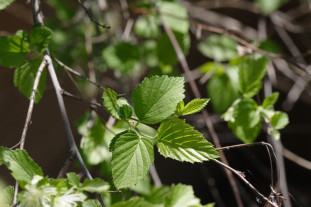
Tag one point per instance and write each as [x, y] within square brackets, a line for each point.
[157, 195]
[125, 111]
[131, 157]
[181, 195]
[192, 107]
[269, 101]
[133, 202]
[73, 179]
[2, 149]
[224, 89]
[110, 102]
[96, 185]
[251, 72]
[91, 203]
[268, 6]
[246, 121]
[24, 77]
[13, 51]
[279, 120]
[147, 26]
[219, 47]
[156, 98]
[40, 37]
[22, 167]
[5, 3]
[179, 141]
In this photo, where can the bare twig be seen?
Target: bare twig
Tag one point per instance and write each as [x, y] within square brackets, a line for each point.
[92, 103]
[296, 159]
[155, 177]
[66, 165]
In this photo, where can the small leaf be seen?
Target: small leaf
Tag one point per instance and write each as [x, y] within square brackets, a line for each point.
[96, 185]
[192, 107]
[181, 195]
[5, 3]
[133, 202]
[2, 149]
[110, 102]
[179, 141]
[219, 47]
[157, 195]
[279, 120]
[91, 203]
[174, 15]
[224, 89]
[131, 157]
[22, 167]
[147, 26]
[13, 51]
[73, 179]
[268, 6]
[125, 111]
[251, 72]
[40, 37]
[156, 98]
[24, 78]
[6, 196]
[246, 120]
[269, 101]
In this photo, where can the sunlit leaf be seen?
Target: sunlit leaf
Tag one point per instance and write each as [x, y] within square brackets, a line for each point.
[147, 26]
[5, 3]
[181, 195]
[6, 196]
[73, 179]
[192, 107]
[40, 37]
[279, 120]
[133, 202]
[269, 101]
[96, 185]
[157, 195]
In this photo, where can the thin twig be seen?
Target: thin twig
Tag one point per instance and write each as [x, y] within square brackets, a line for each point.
[155, 177]
[296, 159]
[66, 165]
[69, 95]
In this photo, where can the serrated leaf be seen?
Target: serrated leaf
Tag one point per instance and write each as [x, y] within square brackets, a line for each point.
[279, 120]
[5, 3]
[73, 179]
[133, 202]
[246, 121]
[192, 107]
[40, 37]
[156, 98]
[268, 6]
[147, 26]
[22, 167]
[251, 72]
[131, 157]
[110, 103]
[269, 101]
[179, 141]
[224, 89]
[13, 51]
[96, 185]
[24, 77]
[91, 203]
[157, 195]
[219, 47]
[123, 56]
[174, 15]
[125, 111]
[181, 195]
[6, 196]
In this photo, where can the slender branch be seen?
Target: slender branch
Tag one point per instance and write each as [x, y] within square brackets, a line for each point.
[196, 92]
[296, 159]
[154, 175]
[69, 95]
[66, 165]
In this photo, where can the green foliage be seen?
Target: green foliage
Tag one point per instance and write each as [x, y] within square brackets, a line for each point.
[270, 46]
[2, 149]
[269, 101]
[219, 47]
[156, 98]
[91, 203]
[96, 185]
[131, 157]
[6, 196]
[181, 195]
[5, 3]
[279, 120]
[24, 77]
[192, 107]
[157, 195]
[147, 26]
[179, 141]
[133, 202]
[40, 37]
[73, 179]
[110, 103]
[22, 167]
[13, 51]
[122, 56]
[268, 6]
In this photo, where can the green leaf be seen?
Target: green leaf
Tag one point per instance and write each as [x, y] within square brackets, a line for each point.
[131, 157]
[110, 103]
[192, 107]
[133, 202]
[125, 111]
[5, 3]
[181, 195]
[24, 78]
[210, 67]
[123, 56]
[157, 195]
[73, 179]
[147, 26]
[13, 51]
[219, 47]
[91, 203]
[251, 72]
[179, 141]
[279, 120]
[6, 196]
[165, 50]
[269, 101]
[270, 46]
[22, 167]
[96, 185]
[174, 15]
[268, 6]
[2, 149]
[246, 121]
[149, 53]
[143, 186]
[224, 89]
[40, 37]
[156, 98]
